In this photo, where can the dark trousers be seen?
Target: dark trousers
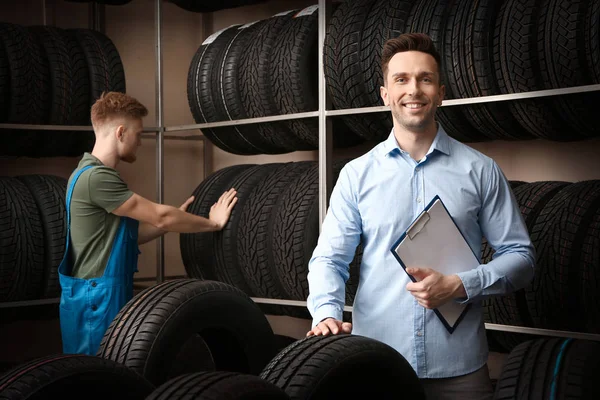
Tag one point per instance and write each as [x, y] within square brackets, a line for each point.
[474, 386]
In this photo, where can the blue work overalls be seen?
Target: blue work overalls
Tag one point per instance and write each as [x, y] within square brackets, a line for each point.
[88, 306]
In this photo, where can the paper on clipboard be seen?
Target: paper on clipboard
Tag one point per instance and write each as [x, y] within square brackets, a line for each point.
[434, 241]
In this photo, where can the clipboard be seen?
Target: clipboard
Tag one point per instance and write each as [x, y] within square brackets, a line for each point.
[434, 241]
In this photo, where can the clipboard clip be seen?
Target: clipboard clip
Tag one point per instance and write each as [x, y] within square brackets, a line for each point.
[418, 225]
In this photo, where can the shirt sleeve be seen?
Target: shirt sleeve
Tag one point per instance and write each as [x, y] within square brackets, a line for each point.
[107, 189]
[503, 226]
[329, 265]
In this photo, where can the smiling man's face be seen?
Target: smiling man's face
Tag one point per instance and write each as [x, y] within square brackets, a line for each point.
[412, 90]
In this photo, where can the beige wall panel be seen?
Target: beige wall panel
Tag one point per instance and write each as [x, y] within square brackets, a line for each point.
[131, 27]
[67, 15]
[26, 12]
[540, 160]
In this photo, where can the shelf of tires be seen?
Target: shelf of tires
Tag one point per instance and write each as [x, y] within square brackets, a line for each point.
[52, 76]
[268, 67]
[265, 247]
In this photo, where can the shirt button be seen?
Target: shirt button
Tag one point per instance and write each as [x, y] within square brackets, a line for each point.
[418, 200]
[94, 307]
[419, 333]
[94, 284]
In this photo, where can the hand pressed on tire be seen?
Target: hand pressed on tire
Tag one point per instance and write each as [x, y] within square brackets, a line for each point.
[330, 326]
[221, 210]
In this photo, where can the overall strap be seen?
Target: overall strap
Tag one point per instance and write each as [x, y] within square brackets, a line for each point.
[70, 193]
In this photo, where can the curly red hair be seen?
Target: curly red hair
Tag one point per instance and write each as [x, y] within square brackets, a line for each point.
[115, 104]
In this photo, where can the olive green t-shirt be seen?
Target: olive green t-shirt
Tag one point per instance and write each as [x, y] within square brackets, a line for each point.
[98, 191]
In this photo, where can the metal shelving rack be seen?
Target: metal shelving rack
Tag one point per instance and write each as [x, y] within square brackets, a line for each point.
[96, 22]
[325, 150]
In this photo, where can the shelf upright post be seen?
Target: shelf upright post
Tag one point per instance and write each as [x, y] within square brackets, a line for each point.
[325, 136]
[160, 244]
[207, 146]
[97, 17]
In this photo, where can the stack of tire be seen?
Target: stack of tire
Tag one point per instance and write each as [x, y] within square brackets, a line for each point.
[191, 339]
[265, 247]
[551, 368]
[32, 236]
[563, 220]
[51, 76]
[264, 68]
[488, 47]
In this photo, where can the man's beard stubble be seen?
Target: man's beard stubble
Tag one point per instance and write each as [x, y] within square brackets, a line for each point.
[417, 125]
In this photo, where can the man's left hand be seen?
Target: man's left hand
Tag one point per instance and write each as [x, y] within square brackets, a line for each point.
[434, 289]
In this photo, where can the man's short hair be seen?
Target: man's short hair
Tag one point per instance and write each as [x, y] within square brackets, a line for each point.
[115, 104]
[409, 42]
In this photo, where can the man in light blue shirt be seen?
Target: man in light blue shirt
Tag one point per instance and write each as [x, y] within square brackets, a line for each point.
[378, 195]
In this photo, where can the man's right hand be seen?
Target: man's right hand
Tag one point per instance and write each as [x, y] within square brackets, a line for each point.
[330, 326]
[221, 210]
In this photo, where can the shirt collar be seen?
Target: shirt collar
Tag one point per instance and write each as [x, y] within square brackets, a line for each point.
[441, 143]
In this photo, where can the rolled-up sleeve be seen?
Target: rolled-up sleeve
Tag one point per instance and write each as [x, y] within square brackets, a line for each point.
[502, 225]
[329, 265]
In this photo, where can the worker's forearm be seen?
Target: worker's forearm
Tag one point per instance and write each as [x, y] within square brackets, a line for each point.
[172, 219]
